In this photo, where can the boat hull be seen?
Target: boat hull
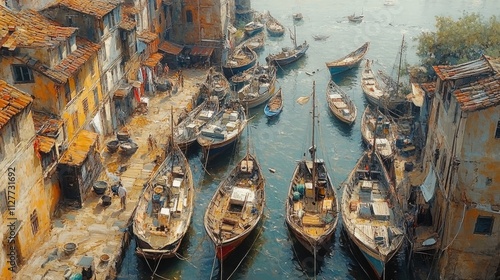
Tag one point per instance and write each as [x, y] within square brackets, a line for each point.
[349, 61]
[144, 250]
[224, 250]
[261, 99]
[210, 152]
[334, 70]
[231, 71]
[270, 113]
[289, 59]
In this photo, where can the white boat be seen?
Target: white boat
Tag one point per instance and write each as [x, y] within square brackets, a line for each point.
[375, 126]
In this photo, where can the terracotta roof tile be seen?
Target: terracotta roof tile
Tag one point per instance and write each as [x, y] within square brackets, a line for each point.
[12, 102]
[482, 66]
[147, 36]
[153, 60]
[480, 94]
[46, 143]
[30, 29]
[97, 8]
[77, 152]
[46, 124]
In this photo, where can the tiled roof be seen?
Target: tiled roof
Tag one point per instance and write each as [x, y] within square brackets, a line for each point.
[46, 124]
[482, 66]
[479, 95]
[77, 152]
[429, 88]
[29, 29]
[73, 62]
[97, 8]
[147, 36]
[170, 48]
[46, 143]
[127, 23]
[12, 102]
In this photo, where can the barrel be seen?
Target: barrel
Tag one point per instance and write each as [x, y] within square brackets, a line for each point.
[296, 196]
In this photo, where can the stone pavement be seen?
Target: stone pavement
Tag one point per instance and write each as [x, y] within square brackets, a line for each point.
[96, 230]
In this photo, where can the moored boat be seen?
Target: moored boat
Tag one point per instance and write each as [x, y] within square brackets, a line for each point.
[236, 207]
[260, 88]
[311, 204]
[240, 60]
[165, 207]
[289, 55]
[355, 18]
[255, 43]
[340, 104]
[186, 132]
[297, 16]
[274, 105]
[374, 93]
[371, 212]
[274, 27]
[349, 61]
[375, 126]
[223, 131]
[215, 84]
[253, 28]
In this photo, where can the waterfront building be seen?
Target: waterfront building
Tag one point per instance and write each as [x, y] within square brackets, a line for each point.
[462, 155]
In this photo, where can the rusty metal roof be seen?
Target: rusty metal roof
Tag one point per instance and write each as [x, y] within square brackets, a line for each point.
[12, 102]
[202, 51]
[29, 29]
[482, 66]
[46, 143]
[77, 152]
[127, 23]
[429, 88]
[46, 124]
[480, 94]
[170, 48]
[147, 36]
[153, 60]
[97, 8]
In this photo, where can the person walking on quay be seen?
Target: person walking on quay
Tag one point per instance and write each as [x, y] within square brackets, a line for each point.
[122, 193]
[151, 143]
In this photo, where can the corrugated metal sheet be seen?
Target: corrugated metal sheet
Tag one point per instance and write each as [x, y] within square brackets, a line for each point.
[78, 150]
[45, 124]
[170, 48]
[30, 29]
[153, 60]
[202, 51]
[46, 143]
[97, 8]
[12, 102]
[481, 66]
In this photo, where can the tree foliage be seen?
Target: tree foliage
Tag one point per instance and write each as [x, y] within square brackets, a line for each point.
[459, 41]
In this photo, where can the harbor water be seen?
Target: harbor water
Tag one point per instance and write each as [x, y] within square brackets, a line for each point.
[270, 252]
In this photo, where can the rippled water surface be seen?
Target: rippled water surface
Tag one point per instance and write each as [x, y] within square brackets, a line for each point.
[269, 253]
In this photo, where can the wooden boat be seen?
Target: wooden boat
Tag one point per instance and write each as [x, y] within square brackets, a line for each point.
[165, 207]
[275, 105]
[355, 18]
[312, 205]
[288, 55]
[340, 104]
[186, 132]
[319, 37]
[223, 131]
[240, 60]
[242, 78]
[349, 61]
[215, 84]
[375, 126]
[374, 93]
[260, 88]
[297, 16]
[236, 207]
[274, 27]
[253, 28]
[255, 43]
[371, 212]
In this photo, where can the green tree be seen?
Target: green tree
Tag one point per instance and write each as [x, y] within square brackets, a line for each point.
[458, 41]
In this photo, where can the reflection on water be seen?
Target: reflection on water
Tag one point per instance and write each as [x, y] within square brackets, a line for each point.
[279, 142]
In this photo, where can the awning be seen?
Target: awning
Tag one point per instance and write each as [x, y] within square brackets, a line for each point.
[201, 51]
[46, 143]
[121, 92]
[417, 96]
[153, 60]
[429, 185]
[47, 125]
[170, 48]
[78, 151]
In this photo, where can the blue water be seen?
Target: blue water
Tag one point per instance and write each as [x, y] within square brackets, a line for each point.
[270, 252]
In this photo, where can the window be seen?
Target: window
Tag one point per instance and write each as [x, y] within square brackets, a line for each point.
[78, 83]
[14, 131]
[96, 98]
[85, 104]
[103, 51]
[61, 51]
[67, 92]
[22, 74]
[112, 21]
[69, 20]
[497, 132]
[48, 158]
[34, 222]
[75, 121]
[189, 16]
[92, 70]
[484, 225]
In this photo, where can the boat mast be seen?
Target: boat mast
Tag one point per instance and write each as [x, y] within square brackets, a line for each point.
[400, 61]
[313, 148]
